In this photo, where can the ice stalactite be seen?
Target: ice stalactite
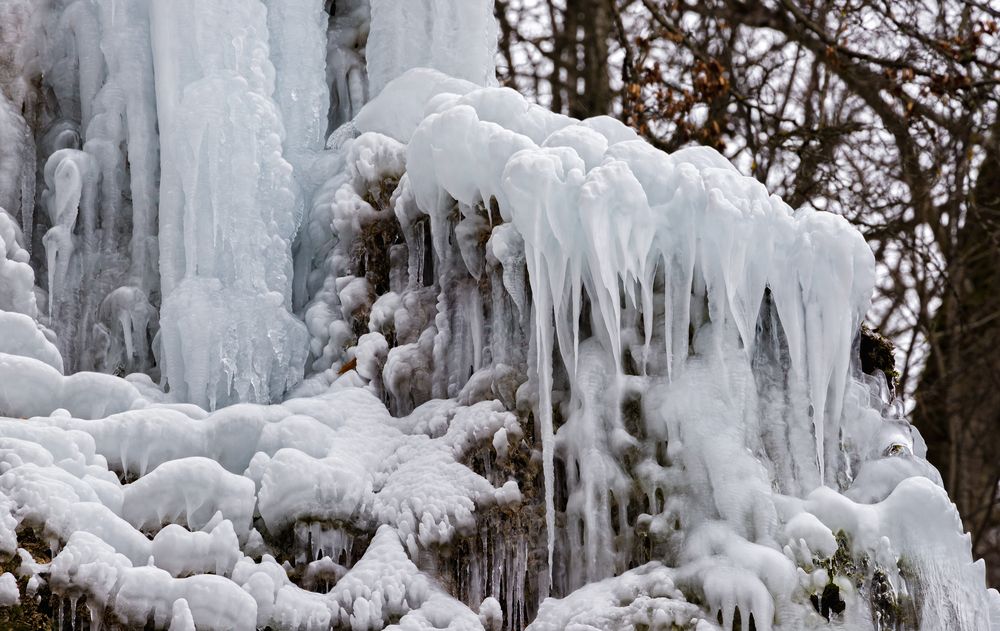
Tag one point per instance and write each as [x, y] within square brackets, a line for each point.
[228, 209]
[94, 59]
[620, 303]
[129, 119]
[71, 184]
[115, 86]
[80, 60]
[621, 398]
[128, 323]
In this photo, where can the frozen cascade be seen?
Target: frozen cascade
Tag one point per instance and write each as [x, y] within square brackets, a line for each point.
[408, 321]
[298, 48]
[297, 40]
[96, 238]
[228, 208]
[130, 70]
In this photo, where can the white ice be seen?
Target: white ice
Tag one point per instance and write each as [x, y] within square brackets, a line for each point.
[410, 352]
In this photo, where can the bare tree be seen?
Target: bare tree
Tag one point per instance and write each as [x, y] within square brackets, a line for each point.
[563, 48]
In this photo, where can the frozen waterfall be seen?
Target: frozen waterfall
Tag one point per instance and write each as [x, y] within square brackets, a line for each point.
[305, 324]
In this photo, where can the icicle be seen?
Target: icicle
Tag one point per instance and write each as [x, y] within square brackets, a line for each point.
[543, 343]
[82, 31]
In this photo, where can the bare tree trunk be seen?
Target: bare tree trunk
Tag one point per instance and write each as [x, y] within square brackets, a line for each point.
[958, 399]
[594, 21]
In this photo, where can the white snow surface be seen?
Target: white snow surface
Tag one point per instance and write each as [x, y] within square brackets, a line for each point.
[409, 352]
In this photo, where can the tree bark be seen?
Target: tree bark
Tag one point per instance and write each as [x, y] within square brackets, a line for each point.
[958, 398]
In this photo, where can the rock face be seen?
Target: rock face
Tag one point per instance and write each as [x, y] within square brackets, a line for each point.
[466, 364]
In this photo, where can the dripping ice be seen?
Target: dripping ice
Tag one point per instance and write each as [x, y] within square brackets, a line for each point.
[403, 350]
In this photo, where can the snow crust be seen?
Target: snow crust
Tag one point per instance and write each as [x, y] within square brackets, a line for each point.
[324, 479]
[405, 351]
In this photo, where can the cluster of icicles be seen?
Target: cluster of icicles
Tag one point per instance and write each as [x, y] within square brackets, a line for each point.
[683, 434]
[689, 334]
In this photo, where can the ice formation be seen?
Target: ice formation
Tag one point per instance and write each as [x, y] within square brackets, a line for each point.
[402, 350]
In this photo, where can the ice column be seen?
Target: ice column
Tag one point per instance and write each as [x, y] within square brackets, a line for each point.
[457, 37]
[298, 53]
[297, 39]
[227, 207]
[17, 166]
[130, 72]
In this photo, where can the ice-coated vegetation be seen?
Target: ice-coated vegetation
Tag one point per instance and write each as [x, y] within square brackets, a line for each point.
[305, 324]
